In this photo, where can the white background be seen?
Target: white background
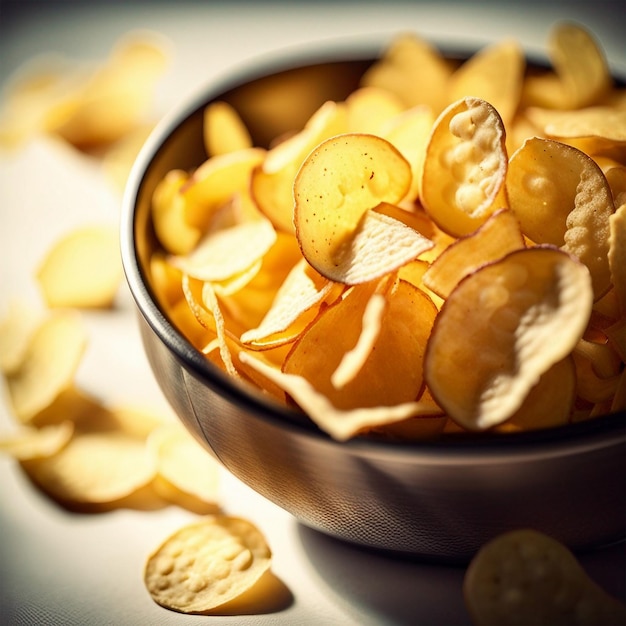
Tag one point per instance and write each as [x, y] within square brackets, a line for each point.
[63, 568]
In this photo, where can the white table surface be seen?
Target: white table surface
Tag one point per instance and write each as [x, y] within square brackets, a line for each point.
[58, 567]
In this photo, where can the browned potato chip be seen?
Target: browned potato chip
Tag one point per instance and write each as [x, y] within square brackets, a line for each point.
[207, 563]
[526, 577]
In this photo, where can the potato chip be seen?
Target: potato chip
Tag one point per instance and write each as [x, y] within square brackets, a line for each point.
[341, 424]
[498, 236]
[296, 303]
[527, 577]
[337, 187]
[168, 215]
[224, 131]
[272, 182]
[82, 269]
[183, 464]
[49, 364]
[370, 108]
[32, 443]
[465, 167]
[617, 255]
[527, 311]
[494, 74]
[206, 563]
[215, 182]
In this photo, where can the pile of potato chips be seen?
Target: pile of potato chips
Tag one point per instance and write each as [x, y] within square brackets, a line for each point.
[444, 251]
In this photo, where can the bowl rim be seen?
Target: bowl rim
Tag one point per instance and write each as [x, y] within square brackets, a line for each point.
[584, 435]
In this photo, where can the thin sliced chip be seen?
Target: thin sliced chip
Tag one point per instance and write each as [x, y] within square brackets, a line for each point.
[206, 564]
[183, 463]
[49, 364]
[224, 130]
[341, 424]
[495, 73]
[526, 577]
[498, 236]
[33, 443]
[226, 253]
[296, 301]
[272, 183]
[215, 183]
[168, 214]
[561, 197]
[392, 372]
[336, 190]
[526, 312]
[465, 167]
[82, 269]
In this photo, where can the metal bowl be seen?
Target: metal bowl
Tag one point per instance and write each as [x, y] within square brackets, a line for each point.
[436, 500]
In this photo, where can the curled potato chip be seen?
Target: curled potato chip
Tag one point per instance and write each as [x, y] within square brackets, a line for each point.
[498, 236]
[16, 329]
[336, 190]
[224, 131]
[526, 577]
[49, 364]
[82, 269]
[527, 311]
[206, 563]
[465, 167]
[168, 214]
[561, 197]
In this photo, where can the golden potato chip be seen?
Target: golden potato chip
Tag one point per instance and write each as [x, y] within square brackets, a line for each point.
[206, 563]
[49, 364]
[168, 215]
[183, 463]
[32, 443]
[465, 167]
[272, 182]
[526, 312]
[227, 252]
[16, 329]
[495, 74]
[215, 182]
[296, 303]
[341, 424]
[224, 130]
[617, 255]
[498, 236]
[336, 190]
[83, 269]
[412, 69]
[526, 577]
[561, 197]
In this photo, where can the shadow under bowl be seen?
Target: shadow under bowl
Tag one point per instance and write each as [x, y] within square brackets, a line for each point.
[437, 500]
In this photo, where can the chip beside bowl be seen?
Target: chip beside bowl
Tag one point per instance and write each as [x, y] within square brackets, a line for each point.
[439, 499]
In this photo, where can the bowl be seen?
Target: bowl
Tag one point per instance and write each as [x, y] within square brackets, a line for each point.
[438, 500]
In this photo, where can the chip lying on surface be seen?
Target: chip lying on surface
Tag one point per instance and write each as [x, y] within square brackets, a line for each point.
[526, 577]
[452, 253]
[207, 563]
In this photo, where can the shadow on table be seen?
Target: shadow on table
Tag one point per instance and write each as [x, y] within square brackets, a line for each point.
[391, 590]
